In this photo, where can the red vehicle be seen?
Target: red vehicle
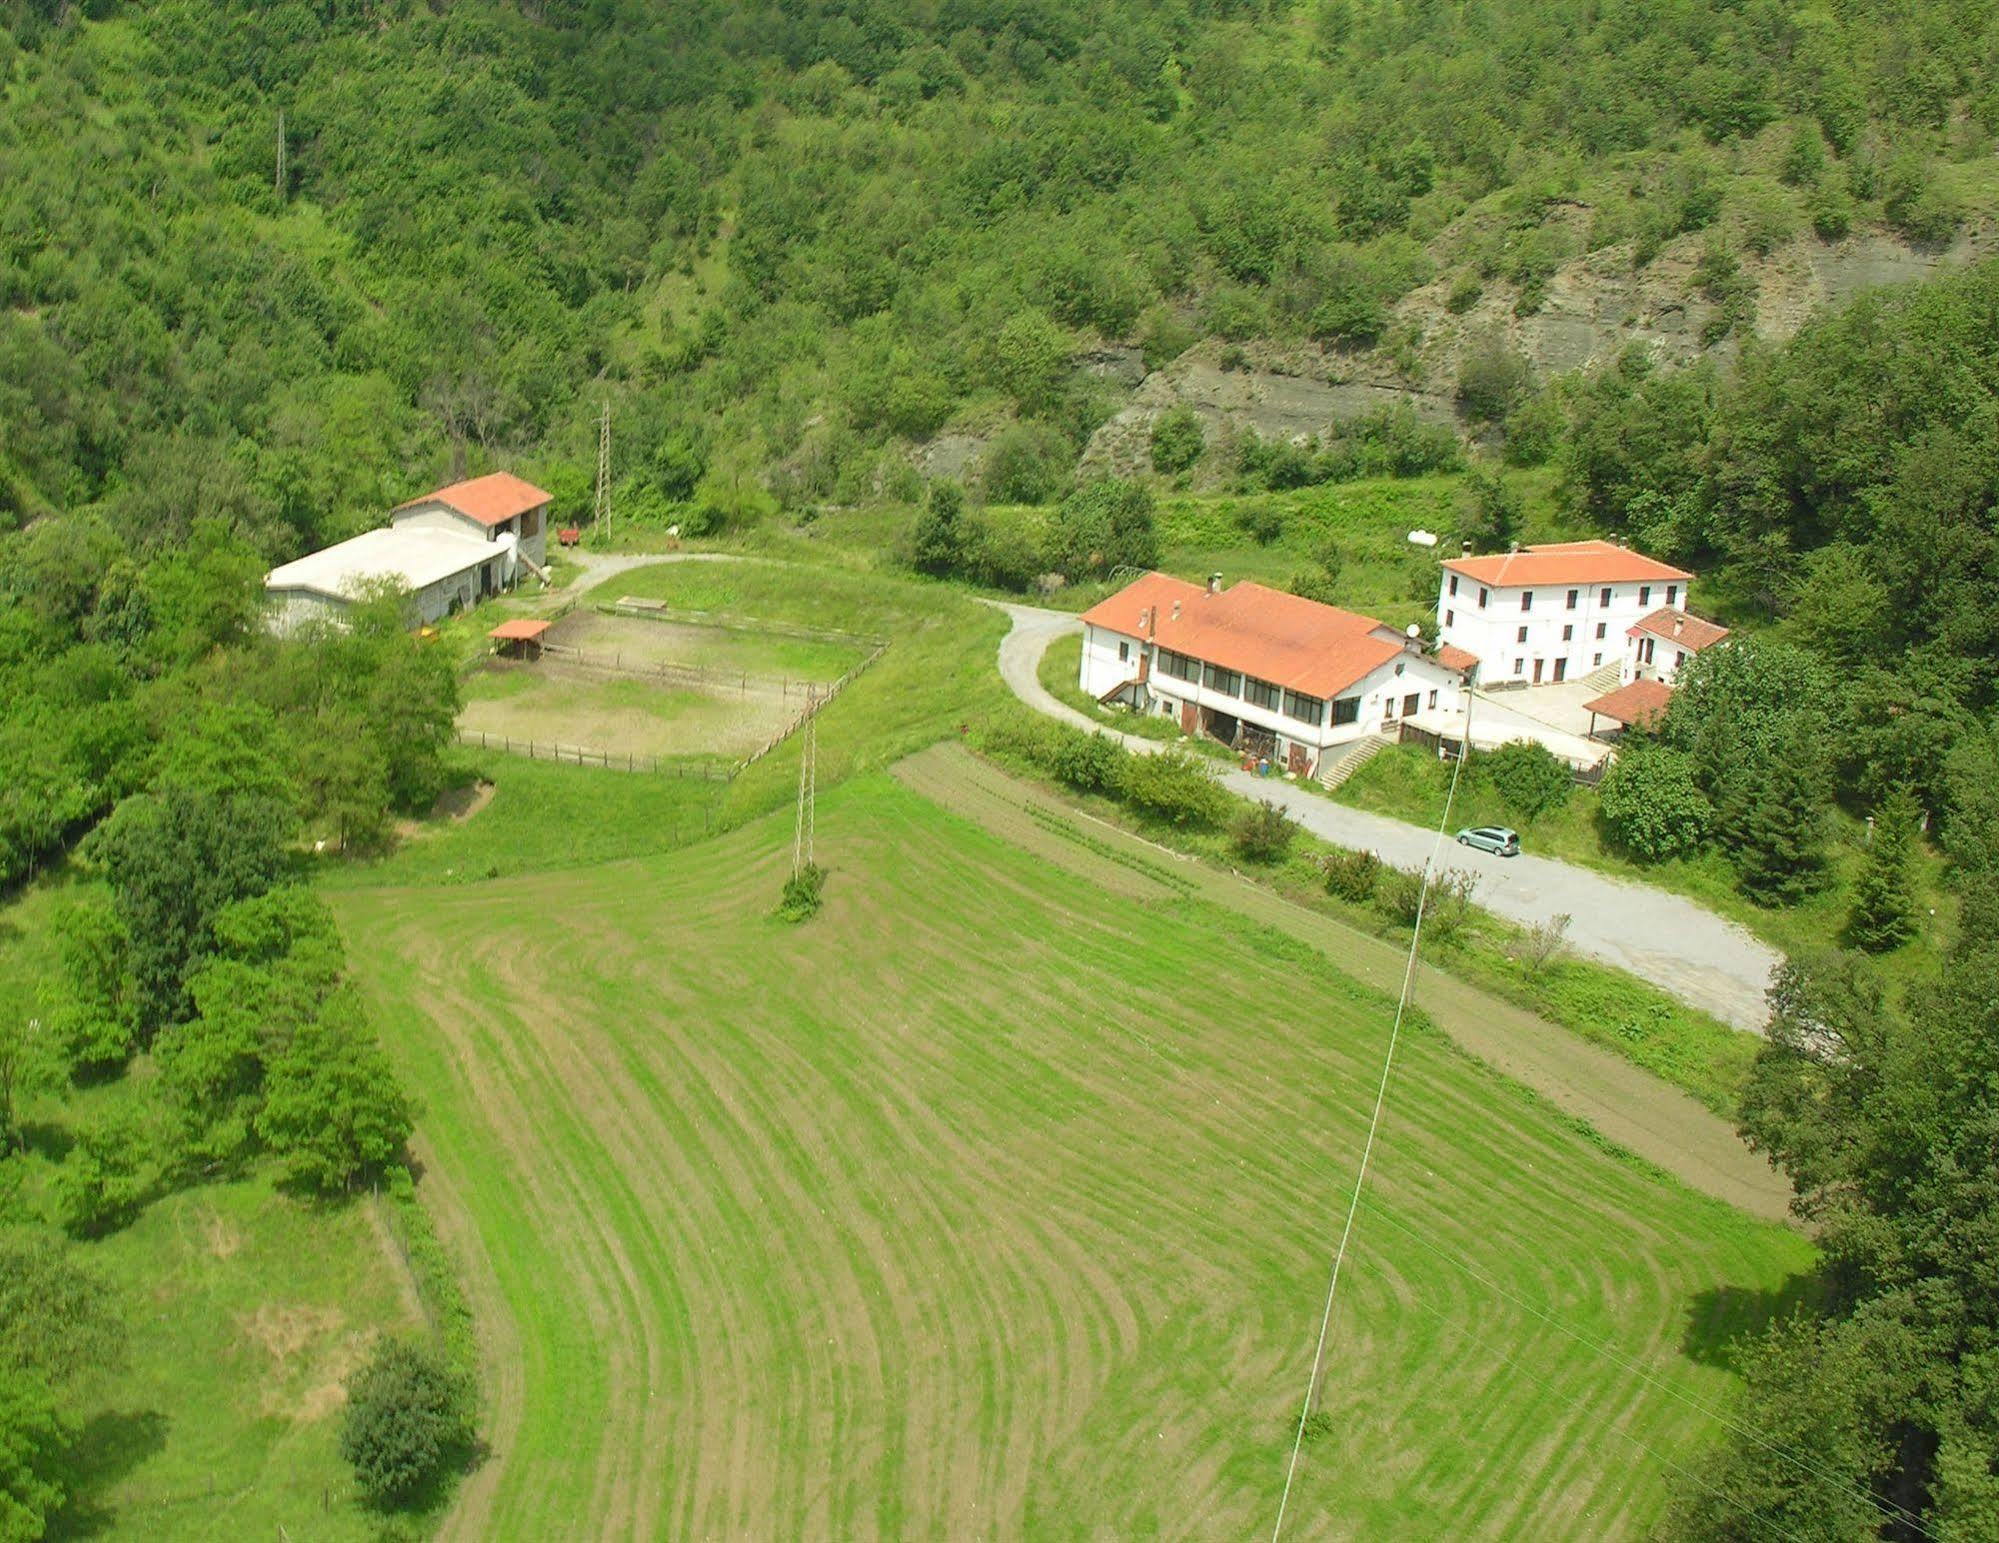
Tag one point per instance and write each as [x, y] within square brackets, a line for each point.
[569, 535]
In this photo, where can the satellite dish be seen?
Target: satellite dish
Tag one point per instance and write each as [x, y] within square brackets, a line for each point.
[1422, 538]
[1415, 631]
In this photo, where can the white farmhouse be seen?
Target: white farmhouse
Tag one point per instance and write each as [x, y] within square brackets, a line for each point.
[1280, 676]
[448, 550]
[1555, 612]
[1659, 645]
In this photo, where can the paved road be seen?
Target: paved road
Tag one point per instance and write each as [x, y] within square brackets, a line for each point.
[1660, 937]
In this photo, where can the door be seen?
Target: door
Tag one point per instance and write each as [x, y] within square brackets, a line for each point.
[1411, 703]
[1189, 718]
[1297, 759]
[1562, 668]
[1537, 672]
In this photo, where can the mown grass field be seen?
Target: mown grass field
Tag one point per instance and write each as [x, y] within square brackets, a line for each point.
[996, 1201]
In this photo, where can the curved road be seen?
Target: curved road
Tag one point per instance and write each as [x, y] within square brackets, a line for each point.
[1657, 936]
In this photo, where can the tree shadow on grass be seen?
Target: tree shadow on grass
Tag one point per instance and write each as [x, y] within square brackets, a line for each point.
[111, 1445]
[1720, 1322]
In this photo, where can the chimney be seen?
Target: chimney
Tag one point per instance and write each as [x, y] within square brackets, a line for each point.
[1214, 583]
[1679, 622]
[1513, 548]
[1465, 549]
[1176, 610]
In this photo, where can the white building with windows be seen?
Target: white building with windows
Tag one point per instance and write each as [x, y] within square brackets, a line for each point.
[1555, 612]
[1271, 673]
[1658, 646]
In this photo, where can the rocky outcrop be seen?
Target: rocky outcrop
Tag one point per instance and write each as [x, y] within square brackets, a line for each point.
[1594, 308]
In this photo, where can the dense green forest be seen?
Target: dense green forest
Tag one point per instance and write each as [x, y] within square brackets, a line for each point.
[267, 269]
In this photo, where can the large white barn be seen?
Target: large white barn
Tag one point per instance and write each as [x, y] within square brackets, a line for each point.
[1560, 611]
[1273, 673]
[448, 549]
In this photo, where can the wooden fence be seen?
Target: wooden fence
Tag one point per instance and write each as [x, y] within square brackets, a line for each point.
[813, 705]
[698, 677]
[580, 755]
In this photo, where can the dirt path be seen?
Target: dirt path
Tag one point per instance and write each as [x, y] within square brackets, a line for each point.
[1656, 935]
[1624, 1103]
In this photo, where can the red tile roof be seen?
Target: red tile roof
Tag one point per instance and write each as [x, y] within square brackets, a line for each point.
[522, 629]
[1689, 632]
[1302, 645]
[491, 500]
[1638, 704]
[1452, 657]
[1565, 562]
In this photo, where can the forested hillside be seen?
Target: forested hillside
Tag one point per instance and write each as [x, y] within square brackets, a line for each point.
[789, 241]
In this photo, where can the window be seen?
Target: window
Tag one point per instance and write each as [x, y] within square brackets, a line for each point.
[1644, 650]
[1568, 634]
[1644, 594]
[1433, 699]
[1450, 618]
[1260, 693]
[1522, 637]
[1526, 599]
[1481, 597]
[1306, 709]
[1454, 583]
[1679, 657]
[1574, 595]
[1411, 702]
[1672, 594]
[1603, 595]
[1346, 710]
[1519, 666]
[1227, 682]
[1595, 660]
[531, 523]
[1123, 652]
[1599, 632]
[1178, 666]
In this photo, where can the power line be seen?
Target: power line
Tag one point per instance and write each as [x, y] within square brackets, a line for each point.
[1373, 1124]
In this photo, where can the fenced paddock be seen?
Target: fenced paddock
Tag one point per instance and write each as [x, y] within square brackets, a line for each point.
[636, 691]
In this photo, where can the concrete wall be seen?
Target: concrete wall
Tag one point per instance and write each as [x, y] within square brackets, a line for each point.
[1668, 659]
[291, 610]
[1597, 633]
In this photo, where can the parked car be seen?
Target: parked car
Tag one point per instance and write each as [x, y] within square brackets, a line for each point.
[1491, 838]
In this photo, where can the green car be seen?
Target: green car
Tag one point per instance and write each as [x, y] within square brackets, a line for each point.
[1491, 838]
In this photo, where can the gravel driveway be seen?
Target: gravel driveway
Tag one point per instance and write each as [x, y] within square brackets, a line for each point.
[1657, 936]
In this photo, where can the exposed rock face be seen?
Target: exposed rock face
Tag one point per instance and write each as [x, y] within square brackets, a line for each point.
[1595, 307]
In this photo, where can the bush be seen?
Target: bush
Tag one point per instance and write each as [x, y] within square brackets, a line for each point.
[1529, 778]
[1174, 787]
[1177, 440]
[1651, 808]
[1262, 833]
[408, 1418]
[1089, 762]
[1493, 377]
[1351, 875]
[106, 1179]
[1102, 527]
[1027, 464]
[1399, 894]
[1261, 520]
[802, 893]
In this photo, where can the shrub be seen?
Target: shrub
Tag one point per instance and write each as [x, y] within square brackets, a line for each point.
[1089, 762]
[802, 892]
[408, 1417]
[1027, 464]
[1262, 833]
[1445, 911]
[1177, 440]
[937, 547]
[1466, 289]
[1104, 526]
[1529, 777]
[1493, 377]
[1351, 875]
[1650, 806]
[1399, 892]
[106, 1179]
[1261, 520]
[1174, 787]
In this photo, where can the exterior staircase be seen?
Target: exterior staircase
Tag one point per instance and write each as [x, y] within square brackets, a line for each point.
[1604, 679]
[1337, 766]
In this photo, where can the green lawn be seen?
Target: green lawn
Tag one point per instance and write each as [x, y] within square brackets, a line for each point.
[992, 1202]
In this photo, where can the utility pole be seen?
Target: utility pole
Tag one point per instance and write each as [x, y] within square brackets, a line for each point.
[278, 182]
[808, 779]
[603, 510]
